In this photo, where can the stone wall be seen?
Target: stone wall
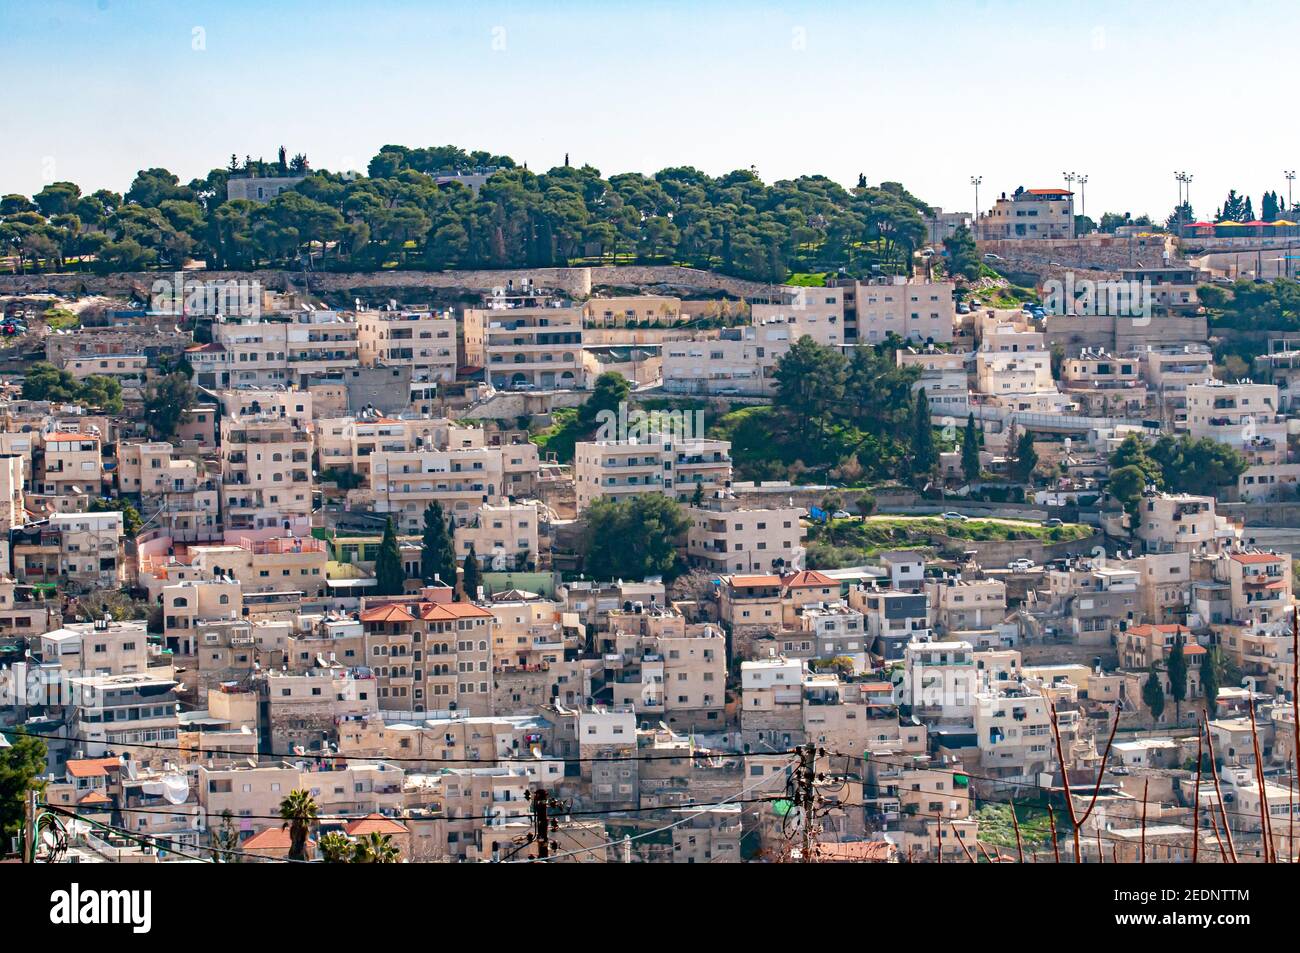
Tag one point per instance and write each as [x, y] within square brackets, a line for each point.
[1092, 257]
[576, 282]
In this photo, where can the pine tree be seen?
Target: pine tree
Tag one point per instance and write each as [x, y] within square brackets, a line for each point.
[388, 566]
[1176, 667]
[923, 455]
[471, 579]
[970, 451]
[1153, 693]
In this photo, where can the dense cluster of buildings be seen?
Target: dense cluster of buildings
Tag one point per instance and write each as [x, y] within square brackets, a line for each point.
[222, 641]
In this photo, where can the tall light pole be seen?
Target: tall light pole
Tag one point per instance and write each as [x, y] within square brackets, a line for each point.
[1083, 196]
[1290, 177]
[975, 180]
[1184, 193]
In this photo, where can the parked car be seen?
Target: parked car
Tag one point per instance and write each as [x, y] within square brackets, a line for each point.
[963, 307]
[841, 514]
[1020, 565]
[992, 257]
[956, 517]
[1053, 522]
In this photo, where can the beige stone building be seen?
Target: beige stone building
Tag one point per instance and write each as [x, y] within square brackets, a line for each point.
[526, 342]
[266, 470]
[430, 656]
[726, 536]
[425, 341]
[618, 469]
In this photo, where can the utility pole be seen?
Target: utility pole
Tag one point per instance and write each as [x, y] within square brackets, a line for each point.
[29, 827]
[1289, 174]
[805, 776]
[542, 803]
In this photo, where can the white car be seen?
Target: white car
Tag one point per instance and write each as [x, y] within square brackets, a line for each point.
[956, 517]
[1020, 565]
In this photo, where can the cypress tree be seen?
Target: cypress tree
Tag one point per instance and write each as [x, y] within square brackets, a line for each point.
[388, 566]
[970, 451]
[472, 578]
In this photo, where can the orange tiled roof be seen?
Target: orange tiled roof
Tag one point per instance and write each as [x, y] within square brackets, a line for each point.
[1252, 558]
[452, 610]
[92, 767]
[808, 579]
[269, 838]
[1146, 629]
[389, 612]
[747, 581]
[95, 797]
[375, 824]
[428, 611]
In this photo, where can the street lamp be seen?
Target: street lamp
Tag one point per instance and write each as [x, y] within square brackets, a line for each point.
[1083, 196]
[1290, 177]
[975, 180]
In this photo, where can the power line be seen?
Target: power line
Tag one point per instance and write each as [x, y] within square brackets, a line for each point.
[667, 827]
[292, 756]
[144, 840]
[985, 777]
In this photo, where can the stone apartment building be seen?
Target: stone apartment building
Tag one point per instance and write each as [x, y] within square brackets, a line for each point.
[424, 341]
[618, 469]
[526, 341]
[918, 311]
[427, 655]
[1028, 214]
[660, 666]
[725, 536]
[266, 480]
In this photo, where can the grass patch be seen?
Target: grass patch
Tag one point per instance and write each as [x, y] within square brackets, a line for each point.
[997, 828]
[60, 319]
[805, 279]
[560, 437]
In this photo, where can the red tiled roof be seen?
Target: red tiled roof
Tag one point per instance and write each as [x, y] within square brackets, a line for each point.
[92, 767]
[807, 579]
[428, 611]
[390, 612]
[452, 610]
[269, 838]
[95, 797]
[1253, 558]
[375, 824]
[1048, 192]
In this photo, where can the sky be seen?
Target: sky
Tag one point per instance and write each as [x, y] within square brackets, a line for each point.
[928, 93]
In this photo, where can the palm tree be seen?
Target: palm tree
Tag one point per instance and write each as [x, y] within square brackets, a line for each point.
[335, 847]
[299, 813]
[375, 848]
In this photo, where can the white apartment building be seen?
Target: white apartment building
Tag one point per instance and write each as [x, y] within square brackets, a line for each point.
[1241, 414]
[265, 470]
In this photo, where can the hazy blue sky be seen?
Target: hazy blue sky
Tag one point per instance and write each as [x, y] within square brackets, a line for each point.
[927, 93]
